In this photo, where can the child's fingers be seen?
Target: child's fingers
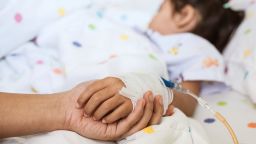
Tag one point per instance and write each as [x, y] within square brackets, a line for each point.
[128, 123]
[148, 111]
[170, 110]
[90, 90]
[122, 111]
[107, 106]
[158, 111]
[97, 99]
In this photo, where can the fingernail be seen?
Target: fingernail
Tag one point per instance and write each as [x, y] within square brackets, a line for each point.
[160, 100]
[104, 121]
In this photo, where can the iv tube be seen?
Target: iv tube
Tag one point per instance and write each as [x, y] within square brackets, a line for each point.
[205, 105]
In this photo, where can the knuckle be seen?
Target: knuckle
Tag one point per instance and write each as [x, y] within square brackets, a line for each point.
[87, 111]
[118, 98]
[105, 107]
[97, 116]
[80, 101]
[108, 120]
[89, 89]
[129, 106]
[96, 97]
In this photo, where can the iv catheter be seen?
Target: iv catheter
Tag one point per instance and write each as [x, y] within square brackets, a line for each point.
[178, 87]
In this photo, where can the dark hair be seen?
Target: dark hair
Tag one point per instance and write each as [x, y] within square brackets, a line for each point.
[217, 23]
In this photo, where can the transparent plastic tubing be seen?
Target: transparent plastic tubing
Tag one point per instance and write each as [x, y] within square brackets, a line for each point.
[177, 87]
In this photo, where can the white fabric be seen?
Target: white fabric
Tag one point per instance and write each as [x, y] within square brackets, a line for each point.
[137, 84]
[16, 17]
[82, 44]
[190, 57]
[240, 4]
[240, 56]
[238, 110]
[176, 129]
[133, 13]
[180, 127]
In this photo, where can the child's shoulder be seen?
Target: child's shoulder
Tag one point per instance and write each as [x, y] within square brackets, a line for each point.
[192, 57]
[188, 44]
[192, 40]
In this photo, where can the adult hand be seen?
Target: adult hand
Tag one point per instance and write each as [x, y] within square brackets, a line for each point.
[153, 117]
[143, 115]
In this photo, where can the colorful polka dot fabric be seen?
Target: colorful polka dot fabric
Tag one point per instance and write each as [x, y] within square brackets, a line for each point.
[238, 110]
[240, 55]
[239, 4]
[82, 40]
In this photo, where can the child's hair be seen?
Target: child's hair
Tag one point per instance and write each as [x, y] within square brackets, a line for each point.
[217, 23]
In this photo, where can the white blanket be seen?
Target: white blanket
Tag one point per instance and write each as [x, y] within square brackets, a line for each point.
[80, 46]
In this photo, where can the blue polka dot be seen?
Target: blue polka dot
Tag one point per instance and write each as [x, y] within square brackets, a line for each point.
[99, 14]
[123, 17]
[14, 54]
[246, 75]
[209, 120]
[77, 44]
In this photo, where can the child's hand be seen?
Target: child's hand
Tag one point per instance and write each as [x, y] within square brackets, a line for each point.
[101, 100]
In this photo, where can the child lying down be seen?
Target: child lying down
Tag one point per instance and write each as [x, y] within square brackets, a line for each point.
[95, 39]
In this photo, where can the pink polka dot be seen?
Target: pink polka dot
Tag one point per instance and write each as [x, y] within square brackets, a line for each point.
[112, 56]
[18, 17]
[40, 62]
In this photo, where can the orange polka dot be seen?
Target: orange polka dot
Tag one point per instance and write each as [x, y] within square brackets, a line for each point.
[112, 56]
[58, 71]
[252, 125]
[210, 62]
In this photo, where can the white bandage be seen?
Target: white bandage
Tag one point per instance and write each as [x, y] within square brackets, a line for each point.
[137, 84]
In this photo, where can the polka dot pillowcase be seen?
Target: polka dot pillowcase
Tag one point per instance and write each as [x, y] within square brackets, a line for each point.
[239, 4]
[240, 54]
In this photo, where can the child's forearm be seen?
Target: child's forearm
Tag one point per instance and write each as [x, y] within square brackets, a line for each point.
[22, 114]
[184, 102]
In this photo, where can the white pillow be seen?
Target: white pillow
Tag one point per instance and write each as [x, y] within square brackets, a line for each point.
[240, 54]
[239, 4]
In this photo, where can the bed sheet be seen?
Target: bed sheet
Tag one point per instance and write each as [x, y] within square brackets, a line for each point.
[238, 110]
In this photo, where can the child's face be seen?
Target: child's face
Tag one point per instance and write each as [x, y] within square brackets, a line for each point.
[167, 21]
